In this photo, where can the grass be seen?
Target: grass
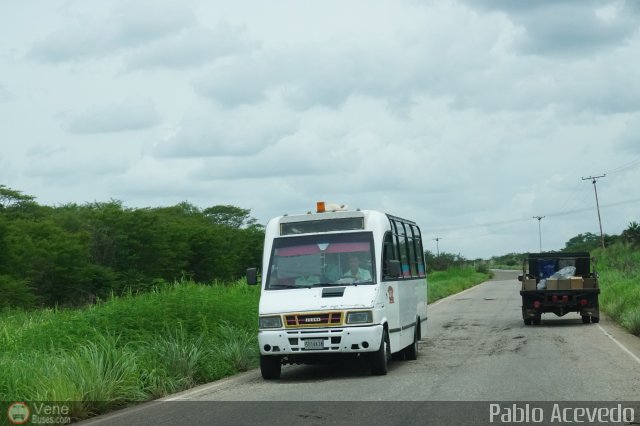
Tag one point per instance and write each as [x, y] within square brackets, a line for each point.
[454, 280]
[141, 347]
[129, 349]
[619, 269]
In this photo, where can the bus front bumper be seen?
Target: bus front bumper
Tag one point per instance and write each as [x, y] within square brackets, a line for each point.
[320, 340]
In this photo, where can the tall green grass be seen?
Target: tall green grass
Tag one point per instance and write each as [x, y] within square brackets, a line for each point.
[140, 347]
[129, 349]
[619, 269]
[454, 280]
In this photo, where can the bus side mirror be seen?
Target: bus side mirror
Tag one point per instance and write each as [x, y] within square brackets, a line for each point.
[252, 276]
[393, 268]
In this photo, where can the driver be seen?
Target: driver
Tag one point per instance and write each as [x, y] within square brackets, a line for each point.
[355, 271]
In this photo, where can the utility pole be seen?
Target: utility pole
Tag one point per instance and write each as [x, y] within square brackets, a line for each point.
[436, 239]
[593, 180]
[539, 230]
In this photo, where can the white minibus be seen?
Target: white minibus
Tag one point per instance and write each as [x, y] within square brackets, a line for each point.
[340, 282]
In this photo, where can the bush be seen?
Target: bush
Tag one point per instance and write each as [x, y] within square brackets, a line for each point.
[129, 349]
[15, 293]
[619, 269]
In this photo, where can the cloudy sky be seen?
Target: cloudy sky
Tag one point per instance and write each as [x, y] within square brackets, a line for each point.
[467, 116]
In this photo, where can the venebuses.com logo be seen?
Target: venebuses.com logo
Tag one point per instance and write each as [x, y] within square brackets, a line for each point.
[38, 413]
[18, 413]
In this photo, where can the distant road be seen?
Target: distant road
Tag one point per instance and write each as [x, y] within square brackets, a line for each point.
[477, 349]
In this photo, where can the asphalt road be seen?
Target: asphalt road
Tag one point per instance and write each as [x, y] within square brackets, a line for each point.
[477, 349]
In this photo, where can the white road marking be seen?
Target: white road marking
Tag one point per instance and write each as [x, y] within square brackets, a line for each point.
[623, 347]
[207, 388]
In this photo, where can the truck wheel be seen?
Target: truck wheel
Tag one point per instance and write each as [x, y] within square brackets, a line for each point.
[270, 367]
[536, 320]
[411, 351]
[595, 320]
[380, 358]
[585, 319]
[527, 321]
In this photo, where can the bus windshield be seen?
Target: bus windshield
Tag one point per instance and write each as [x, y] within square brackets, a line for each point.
[321, 260]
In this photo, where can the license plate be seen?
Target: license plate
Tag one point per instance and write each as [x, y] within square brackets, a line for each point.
[314, 344]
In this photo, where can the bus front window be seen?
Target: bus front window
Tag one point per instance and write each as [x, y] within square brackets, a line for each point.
[321, 260]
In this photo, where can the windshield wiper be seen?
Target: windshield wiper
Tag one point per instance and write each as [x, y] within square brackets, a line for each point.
[283, 286]
[323, 285]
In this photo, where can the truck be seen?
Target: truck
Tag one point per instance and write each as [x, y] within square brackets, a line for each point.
[338, 283]
[559, 283]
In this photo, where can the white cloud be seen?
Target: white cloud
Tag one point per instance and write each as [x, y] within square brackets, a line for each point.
[128, 115]
[629, 139]
[127, 25]
[568, 27]
[191, 48]
[211, 132]
[5, 95]
[466, 116]
[73, 165]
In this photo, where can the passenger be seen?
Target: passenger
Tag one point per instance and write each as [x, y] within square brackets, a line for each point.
[308, 280]
[332, 272]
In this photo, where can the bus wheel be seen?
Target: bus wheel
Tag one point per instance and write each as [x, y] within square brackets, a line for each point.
[270, 367]
[380, 358]
[411, 351]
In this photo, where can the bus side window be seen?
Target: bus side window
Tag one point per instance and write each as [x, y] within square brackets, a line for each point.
[419, 251]
[387, 254]
[412, 251]
[404, 255]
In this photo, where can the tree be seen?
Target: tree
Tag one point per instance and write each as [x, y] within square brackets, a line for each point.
[10, 197]
[443, 261]
[15, 293]
[588, 241]
[231, 216]
[73, 254]
[631, 235]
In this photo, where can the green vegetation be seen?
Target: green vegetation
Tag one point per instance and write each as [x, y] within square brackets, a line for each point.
[129, 349]
[453, 280]
[451, 273]
[507, 261]
[72, 255]
[137, 337]
[619, 269]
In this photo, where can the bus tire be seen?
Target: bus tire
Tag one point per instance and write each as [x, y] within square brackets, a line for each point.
[380, 358]
[270, 367]
[411, 351]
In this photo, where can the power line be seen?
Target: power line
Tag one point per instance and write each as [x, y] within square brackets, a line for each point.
[577, 198]
[524, 219]
[627, 166]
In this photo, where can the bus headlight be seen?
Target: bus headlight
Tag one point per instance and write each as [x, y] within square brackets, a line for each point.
[270, 322]
[360, 317]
